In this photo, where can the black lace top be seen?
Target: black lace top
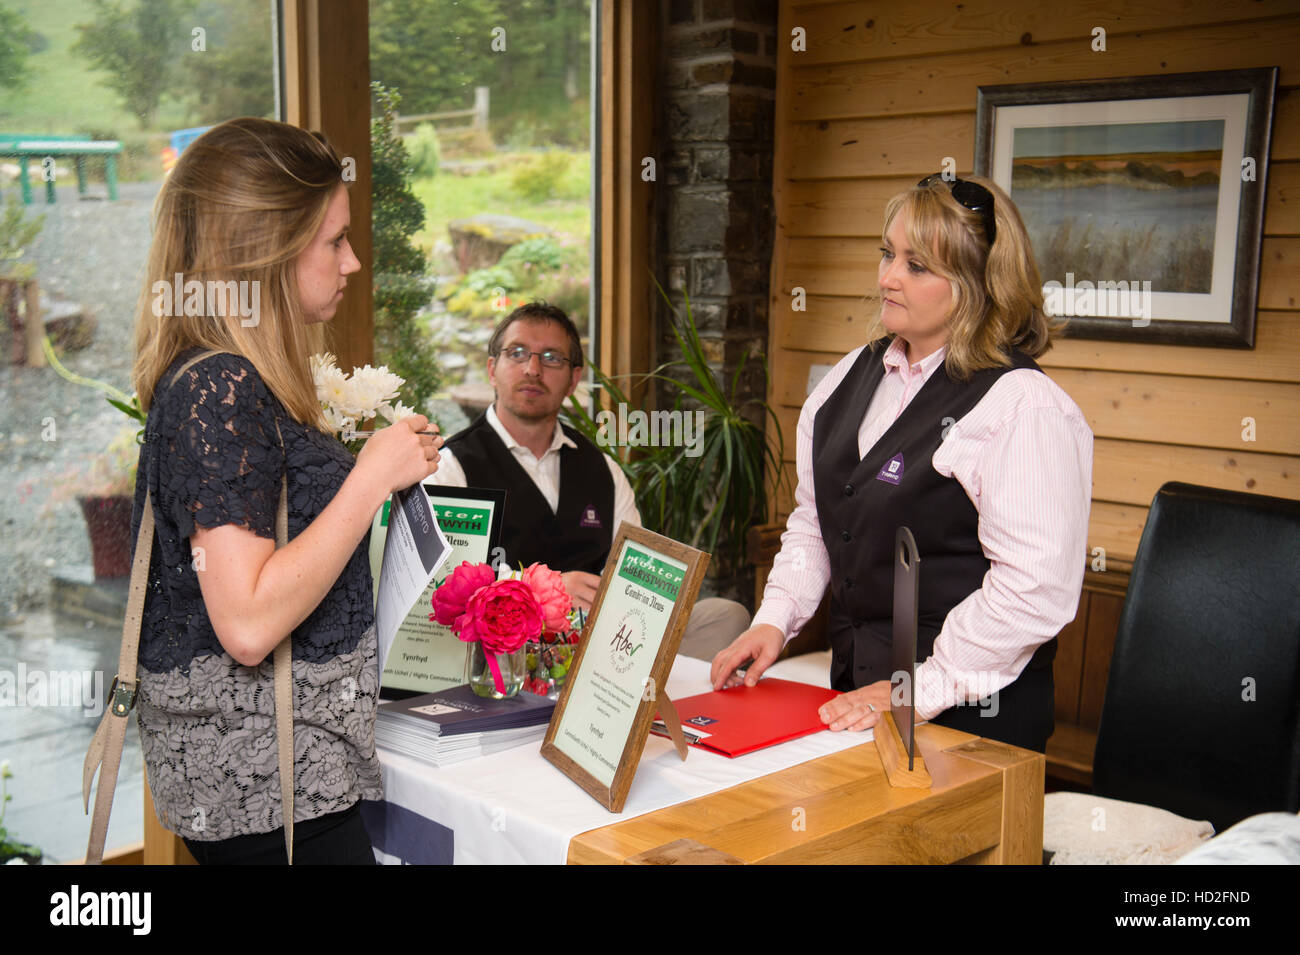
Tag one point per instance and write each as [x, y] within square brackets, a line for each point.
[212, 456]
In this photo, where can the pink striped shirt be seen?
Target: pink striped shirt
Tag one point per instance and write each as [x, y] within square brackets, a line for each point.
[1023, 455]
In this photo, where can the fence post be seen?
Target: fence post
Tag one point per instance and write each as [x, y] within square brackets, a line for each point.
[481, 97]
[33, 327]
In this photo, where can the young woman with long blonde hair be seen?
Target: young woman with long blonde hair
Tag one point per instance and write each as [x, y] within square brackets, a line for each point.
[256, 210]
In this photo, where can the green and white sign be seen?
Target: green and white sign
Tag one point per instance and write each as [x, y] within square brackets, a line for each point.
[618, 660]
[426, 656]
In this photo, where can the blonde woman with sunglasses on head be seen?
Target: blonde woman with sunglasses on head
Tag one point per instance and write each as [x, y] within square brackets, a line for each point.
[942, 423]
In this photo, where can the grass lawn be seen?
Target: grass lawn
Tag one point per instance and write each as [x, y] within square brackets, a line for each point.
[64, 96]
[448, 196]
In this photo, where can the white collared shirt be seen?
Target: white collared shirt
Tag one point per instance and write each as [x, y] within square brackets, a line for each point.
[1023, 455]
[544, 471]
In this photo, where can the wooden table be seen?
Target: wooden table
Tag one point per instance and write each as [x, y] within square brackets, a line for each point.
[985, 807]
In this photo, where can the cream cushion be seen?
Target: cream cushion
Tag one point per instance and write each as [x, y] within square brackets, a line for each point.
[1082, 829]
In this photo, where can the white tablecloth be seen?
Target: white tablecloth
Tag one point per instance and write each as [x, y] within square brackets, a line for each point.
[515, 807]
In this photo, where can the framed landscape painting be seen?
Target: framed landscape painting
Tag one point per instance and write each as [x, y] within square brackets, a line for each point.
[1143, 198]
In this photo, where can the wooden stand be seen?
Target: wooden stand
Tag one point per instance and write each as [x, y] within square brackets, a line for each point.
[893, 756]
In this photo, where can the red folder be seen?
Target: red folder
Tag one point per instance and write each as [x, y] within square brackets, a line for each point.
[742, 719]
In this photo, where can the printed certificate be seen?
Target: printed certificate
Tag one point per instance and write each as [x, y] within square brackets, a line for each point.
[424, 656]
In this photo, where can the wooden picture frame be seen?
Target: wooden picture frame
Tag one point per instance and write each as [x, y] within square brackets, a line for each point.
[610, 789]
[1157, 181]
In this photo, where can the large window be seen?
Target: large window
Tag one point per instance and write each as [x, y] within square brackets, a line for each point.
[494, 107]
[81, 85]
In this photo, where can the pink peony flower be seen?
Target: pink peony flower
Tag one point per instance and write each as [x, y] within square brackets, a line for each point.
[502, 617]
[451, 598]
[548, 587]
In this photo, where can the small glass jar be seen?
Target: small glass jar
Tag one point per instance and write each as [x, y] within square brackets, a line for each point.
[513, 667]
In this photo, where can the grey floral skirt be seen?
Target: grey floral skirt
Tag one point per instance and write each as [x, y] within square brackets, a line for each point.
[209, 744]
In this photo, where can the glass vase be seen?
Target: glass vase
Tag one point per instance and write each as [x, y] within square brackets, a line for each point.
[513, 667]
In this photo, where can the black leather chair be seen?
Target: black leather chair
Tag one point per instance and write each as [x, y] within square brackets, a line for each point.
[1202, 710]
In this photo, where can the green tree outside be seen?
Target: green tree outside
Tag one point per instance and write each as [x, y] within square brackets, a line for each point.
[16, 38]
[138, 47]
[402, 342]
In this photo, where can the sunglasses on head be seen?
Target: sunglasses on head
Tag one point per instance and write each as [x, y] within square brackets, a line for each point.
[971, 195]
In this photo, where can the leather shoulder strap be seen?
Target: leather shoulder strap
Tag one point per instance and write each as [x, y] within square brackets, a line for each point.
[105, 752]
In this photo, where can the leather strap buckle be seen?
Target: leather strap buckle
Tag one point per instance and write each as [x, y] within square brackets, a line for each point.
[122, 696]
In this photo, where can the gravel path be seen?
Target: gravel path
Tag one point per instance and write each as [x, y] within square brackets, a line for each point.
[90, 252]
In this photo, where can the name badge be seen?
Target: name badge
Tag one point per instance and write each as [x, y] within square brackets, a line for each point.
[892, 472]
[590, 517]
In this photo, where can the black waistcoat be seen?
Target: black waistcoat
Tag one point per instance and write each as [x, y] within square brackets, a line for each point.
[577, 535]
[861, 504]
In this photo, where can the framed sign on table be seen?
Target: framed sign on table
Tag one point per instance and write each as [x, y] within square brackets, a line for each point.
[615, 684]
[1143, 198]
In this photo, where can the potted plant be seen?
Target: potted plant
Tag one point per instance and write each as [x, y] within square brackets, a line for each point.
[709, 500]
[106, 505]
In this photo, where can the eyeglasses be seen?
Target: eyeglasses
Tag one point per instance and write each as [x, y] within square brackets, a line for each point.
[549, 359]
[971, 195]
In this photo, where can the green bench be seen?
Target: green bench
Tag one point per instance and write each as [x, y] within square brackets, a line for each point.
[24, 148]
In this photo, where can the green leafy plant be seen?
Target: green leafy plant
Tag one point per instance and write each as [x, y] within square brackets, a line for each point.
[11, 848]
[402, 339]
[129, 405]
[17, 232]
[425, 150]
[113, 469]
[540, 253]
[712, 500]
[542, 177]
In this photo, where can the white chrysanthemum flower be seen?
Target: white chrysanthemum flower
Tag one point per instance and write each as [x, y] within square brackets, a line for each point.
[368, 388]
[349, 399]
[332, 388]
[339, 422]
[393, 413]
[328, 378]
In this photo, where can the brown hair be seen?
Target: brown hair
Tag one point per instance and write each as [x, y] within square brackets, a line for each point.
[539, 311]
[245, 199]
[997, 292]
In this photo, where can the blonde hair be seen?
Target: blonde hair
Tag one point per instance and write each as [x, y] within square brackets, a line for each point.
[997, 292]
[245, 199]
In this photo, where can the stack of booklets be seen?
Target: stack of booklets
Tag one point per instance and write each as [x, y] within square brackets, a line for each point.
[456, 724]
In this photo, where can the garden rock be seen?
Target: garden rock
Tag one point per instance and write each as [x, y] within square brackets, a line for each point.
[480, 241]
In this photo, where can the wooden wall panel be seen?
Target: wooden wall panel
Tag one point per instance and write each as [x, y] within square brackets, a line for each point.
[881, 95]
[1175, 409]
[836, 324]
[1130, 472]
[1103, 621]
[858, 31]
[1275, 357]
[1067, 668]
[896, 87]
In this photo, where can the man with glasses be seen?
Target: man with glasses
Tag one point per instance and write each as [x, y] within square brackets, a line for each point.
[565, 498]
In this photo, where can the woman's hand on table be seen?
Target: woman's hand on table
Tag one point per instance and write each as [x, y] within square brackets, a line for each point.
[399, 455]
[858, 709]
[762, 644]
